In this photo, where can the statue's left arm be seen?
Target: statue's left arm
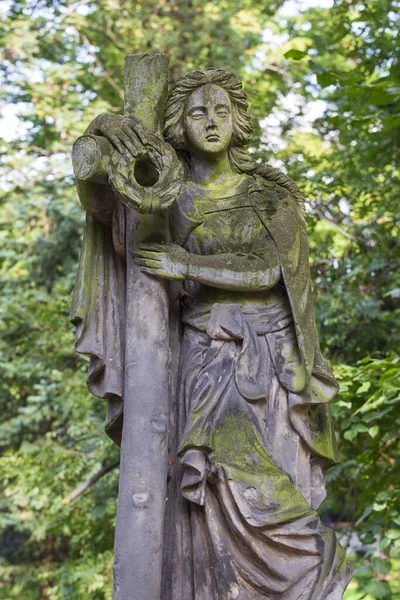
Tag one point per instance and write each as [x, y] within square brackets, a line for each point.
[232, 271]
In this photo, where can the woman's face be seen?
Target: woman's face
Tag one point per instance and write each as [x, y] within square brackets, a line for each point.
[208, 120]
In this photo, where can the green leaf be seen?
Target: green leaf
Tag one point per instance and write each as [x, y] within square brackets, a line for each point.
[379, 506]
[349, 79]
[378, 589]
[380, 97]
[345, 404]
[364, 387]
[382, 566]
[393, 534]
[384, 495]
[326, 79]
[367, 511]
[295, 54]
[373, 431]
[350, 435]
[384, 543]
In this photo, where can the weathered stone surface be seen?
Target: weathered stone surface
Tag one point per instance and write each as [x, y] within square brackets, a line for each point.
[222, 466]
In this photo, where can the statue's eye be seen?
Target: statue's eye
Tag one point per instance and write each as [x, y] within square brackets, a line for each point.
[222, 112]
[197, 114]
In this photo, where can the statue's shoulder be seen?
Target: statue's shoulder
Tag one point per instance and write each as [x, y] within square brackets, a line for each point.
[274, 191]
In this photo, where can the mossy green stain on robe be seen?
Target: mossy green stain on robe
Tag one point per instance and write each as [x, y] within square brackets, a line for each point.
[251, 472]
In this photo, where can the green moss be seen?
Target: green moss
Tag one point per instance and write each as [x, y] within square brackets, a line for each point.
[238, 448]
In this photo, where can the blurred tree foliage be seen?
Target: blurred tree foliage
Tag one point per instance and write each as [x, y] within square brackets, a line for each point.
[62, 63]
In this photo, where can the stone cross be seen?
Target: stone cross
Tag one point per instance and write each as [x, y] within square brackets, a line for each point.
[143, 467]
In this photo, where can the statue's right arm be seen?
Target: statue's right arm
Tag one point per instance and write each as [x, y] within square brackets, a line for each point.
[98, 199]
[118, 130]
[114, 133]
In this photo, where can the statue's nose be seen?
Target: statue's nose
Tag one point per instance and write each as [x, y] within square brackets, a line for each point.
[211, 124]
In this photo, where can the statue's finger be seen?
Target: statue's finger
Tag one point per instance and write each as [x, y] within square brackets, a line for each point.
[141, 132]
[146, 254]
[114, 139]
[150, 264]
[153, 264]
[131, 133]
[146, 137]
[128, 143]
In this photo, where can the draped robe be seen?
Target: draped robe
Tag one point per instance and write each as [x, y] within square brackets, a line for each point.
[240, 517]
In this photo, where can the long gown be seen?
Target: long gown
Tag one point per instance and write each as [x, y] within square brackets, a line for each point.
[250, 431]
[242, 522]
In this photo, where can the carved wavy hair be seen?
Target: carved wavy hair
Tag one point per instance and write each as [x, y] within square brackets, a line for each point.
[240, 159]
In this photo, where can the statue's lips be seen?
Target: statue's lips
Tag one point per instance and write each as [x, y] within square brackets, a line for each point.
[213, 138]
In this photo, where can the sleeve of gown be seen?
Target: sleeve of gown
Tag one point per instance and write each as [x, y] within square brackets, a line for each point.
[98, 306]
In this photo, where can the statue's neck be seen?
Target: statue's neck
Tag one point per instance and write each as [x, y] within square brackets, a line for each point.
[210, 171]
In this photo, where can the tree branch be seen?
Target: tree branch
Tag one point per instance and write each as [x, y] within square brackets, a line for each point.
[275, 69]
[318, 263]
[328, 217]
[68, 12]
[109, 35]
[89, 482]
[105, 73]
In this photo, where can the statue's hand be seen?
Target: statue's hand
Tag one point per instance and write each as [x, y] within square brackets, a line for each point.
[143, 169]
[168, 261]
[120, 131]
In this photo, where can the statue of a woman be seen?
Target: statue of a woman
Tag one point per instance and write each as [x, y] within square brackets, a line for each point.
[252, 417]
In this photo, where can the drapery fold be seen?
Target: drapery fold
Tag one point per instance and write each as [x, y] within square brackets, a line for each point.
[252, 507]
[98, 311]
[266, 335]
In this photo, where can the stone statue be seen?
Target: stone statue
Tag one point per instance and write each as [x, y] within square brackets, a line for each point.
[194, 301]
